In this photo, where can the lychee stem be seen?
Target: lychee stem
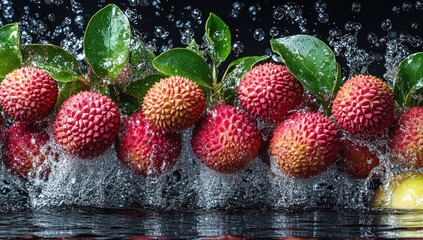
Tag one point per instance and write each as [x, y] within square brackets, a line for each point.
[84, 83]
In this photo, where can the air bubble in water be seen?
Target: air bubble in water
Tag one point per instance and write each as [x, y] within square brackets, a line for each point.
[415, 25]
[386, 25]
[51, 17]
[323, 17]
[278, 13]
[196, 14]
[238, 48]
[320, 6]
[352, 26]
[76, 7]
[252, 10]
[356, 7]
[80, 21]
[259, 34]
[396, 9]
[274, 32]
[419, 5]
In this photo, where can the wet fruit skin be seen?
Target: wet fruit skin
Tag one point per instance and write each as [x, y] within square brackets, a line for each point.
[364, 105]
[403, 191]
[148, 151]
[22, 150]
[305, 144]
[173, 104]
[269, 91]
[28, 94]
[226, 139]
[407, 139]
[356, 160]
[87, 124]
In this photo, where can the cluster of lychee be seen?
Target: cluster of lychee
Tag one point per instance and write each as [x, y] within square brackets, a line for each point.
[300, 141]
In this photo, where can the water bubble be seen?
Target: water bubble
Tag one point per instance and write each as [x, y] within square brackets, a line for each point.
[76, 7]
[278, 13]
[252, 10]
[372, 38]
[352, 26]
[386, 25]
[196, 14]
[179, 23]
[80, 21]
[237, 6]
[415, 25]
[274, 32]
[323, 17]
[356, 7]
[160, 32]
[396, 9]
[259, 34]
[51, 17]
[320, 6]
[170, 17]
[419, 5]
[238, 48]
[406, 6]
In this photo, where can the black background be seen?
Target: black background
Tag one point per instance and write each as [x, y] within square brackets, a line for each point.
[371, 16]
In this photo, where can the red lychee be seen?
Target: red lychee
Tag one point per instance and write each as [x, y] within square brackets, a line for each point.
[364, 105]
[87, 124]
[226, 139]
[407, 138]
[269, 91]
[173, 104]
[305, 144]
[28, 94]
[23, 148]
[149, 152]
[356, 160]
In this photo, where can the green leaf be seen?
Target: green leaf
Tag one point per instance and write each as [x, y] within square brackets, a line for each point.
[10, 53]
[312, 62]
[409, 80]
[186, 63]
[219, 36]
[140, 87]
[107, 41]
[61, 65]
[141, 59]
[68, 89]
[235, 72]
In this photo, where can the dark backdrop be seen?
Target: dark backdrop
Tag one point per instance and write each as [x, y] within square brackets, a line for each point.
[405, 16]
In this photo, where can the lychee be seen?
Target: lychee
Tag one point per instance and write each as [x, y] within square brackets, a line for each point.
[407, 138]
[28, 94]
[269, 91]
[226, 139]
[173, 104]
[305, 144]
[364, 105]
[23, 149]
[356, 160]
[87, 124]
[149, 152]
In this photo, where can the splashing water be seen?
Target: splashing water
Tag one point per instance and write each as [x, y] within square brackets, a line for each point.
[105, 182]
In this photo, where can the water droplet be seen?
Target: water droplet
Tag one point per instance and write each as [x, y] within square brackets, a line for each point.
[278, 13]
[323, 17]
[259, 34]
[372, 38]
[160, 32]
[356, 7]
[406, 6]
[352, 26]
[415, 25]
[51, 17]
[252, 10]
[396, 9]
[274, 32]
[237, 6]
[238, 48]
[320, 6]
[386, 25]
[419, 5]
[196, 14]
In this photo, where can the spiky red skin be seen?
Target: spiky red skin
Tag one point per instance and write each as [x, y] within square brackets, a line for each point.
[305, 144]
[22, 148]
[148, 151]
[87, 124]
[356, 160]
[28, 94]
[407, 139]
[269, 91]
[364, 105]
[226, 139]
[173, 104]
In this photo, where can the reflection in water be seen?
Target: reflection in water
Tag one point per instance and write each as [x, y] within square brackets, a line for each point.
[115, 223]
